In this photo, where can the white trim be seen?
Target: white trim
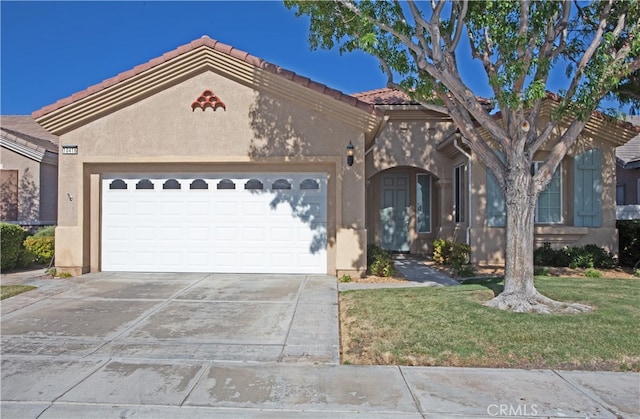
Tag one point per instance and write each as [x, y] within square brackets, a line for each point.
[22, 149]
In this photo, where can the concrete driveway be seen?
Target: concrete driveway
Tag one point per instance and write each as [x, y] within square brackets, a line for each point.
[220, 317]
[200, 346]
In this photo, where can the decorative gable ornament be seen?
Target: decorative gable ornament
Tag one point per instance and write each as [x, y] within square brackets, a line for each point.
[208, 100]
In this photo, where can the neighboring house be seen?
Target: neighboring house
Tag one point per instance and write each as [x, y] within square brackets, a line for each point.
[628, 177]
[209, 159]
[28, 172]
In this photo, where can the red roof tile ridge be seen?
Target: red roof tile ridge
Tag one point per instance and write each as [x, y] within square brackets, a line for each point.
[217, 46]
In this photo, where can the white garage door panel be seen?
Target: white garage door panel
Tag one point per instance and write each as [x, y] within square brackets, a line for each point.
[215, 230]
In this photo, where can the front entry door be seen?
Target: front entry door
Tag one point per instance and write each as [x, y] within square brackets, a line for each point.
[394, 212]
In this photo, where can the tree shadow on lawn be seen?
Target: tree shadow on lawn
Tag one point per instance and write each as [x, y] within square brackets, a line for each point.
[495, 284]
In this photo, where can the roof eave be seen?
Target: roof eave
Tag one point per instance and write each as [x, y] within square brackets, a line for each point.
[185, 62]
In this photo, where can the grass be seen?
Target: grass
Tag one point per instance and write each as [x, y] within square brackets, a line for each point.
[7, 291]
[449, 326]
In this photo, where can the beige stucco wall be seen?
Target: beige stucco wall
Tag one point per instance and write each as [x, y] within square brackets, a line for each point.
[487, 243]
[408, 144]
[258, 132]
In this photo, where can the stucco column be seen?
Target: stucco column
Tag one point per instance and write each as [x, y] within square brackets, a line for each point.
[445, 199]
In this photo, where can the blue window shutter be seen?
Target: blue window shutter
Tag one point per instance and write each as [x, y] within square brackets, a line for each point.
[587, 189]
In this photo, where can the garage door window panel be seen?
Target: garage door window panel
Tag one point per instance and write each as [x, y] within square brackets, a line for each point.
[226, 184]
[118, 184]
[144, 184]
[171, 184]
[199, 184]
[310, 184]
[281, 184]
[254, 184]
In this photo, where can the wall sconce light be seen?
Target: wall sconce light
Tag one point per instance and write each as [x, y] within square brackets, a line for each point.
[350, 148]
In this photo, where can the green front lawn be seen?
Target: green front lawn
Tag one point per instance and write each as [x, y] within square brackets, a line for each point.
[7, 291]
[449, 326]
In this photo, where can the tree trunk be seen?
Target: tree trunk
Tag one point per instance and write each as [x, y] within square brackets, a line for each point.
[520, 294]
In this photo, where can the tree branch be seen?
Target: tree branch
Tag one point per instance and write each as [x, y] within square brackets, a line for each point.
[590, 51]
[459, 25]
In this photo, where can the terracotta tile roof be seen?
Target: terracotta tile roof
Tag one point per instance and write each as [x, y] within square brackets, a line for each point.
[630, 152]
[385, 96]
[217, 46]
[25, 130]
[389, 96]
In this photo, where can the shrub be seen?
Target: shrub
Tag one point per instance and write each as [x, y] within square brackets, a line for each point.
[629, 236]
[446, 252]
[13, 255]
[42, 248]
[541, 271]
[592, 273]
[46, 232]
[465, 271]
[459, 256]
[345, 278]
[589, 256]
[379, 261]
[441, 251]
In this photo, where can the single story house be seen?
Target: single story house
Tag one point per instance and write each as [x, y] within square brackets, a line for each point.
[628, 176]
[210, 159]
[28, 172]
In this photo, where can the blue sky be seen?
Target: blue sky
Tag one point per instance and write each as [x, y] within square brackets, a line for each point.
[51, 50]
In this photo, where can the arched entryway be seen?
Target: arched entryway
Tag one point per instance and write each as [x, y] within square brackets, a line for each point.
[401, 209]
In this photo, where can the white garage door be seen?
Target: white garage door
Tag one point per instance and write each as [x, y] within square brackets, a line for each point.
[252, 223]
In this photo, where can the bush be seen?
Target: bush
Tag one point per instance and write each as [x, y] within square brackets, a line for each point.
[46, 232]
[592, 273]
[446, 252]
[441, 251]
[465, 271]
[379, 261]
[456, 255]
[629, 236]
[42, 248]
[345, 278]
[13, 255]
[589, 256]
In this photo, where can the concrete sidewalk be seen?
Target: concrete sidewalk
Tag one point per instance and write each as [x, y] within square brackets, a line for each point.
[207, 345]
[60, 387]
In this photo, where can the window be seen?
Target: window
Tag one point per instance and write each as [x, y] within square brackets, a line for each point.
[144, 184]
[460, 181]
[226, 184]
[118, 184]
[423, 201]
[496, 207]
[253, 184]
[549, 206]
[281, 184]
[199, 184]
[171, 184]
[619, 194]
[309, 184]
